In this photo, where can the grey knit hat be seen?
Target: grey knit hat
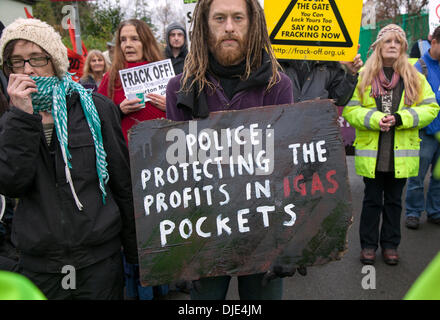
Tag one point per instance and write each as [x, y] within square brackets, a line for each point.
[175, 26]
[42, 34]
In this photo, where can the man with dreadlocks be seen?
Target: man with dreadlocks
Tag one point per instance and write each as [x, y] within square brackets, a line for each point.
[235, 70]
[62, 153]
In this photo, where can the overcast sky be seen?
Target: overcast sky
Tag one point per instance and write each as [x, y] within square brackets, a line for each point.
[177, 4]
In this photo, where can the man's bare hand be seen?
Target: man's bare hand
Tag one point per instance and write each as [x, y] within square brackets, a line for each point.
[355, 65]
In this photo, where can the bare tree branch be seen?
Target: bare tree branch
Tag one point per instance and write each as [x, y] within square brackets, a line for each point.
[390, 9]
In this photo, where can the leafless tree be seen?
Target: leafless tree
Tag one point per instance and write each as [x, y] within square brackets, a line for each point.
[140, 9]
[167, 13]
[390, 9]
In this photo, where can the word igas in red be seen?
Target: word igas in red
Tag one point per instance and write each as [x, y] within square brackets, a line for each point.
[303, 187]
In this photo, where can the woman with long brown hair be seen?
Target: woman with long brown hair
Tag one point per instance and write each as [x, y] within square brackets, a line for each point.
[135, 46]
[94, 69]
[391, 103]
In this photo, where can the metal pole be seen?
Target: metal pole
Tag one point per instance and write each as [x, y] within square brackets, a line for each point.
[77, 29]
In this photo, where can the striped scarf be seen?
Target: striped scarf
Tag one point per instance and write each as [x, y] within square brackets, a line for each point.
[51, 97]
[381, 85]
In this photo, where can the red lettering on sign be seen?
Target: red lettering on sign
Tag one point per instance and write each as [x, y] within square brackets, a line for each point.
[303, 188]
[286, 187]
[333, 182]
[317, 184]
[299, 187]
[76, 64]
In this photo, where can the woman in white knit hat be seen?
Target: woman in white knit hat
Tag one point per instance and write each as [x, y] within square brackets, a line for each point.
[62, 153]
[391, 103]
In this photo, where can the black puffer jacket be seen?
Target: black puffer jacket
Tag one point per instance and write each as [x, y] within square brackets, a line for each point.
[48, 229]
[320, 79]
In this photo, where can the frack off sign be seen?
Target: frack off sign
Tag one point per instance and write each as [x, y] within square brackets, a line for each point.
[149, 78]
[240, 191]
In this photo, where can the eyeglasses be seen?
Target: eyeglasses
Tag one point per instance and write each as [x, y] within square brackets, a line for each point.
[34, 62]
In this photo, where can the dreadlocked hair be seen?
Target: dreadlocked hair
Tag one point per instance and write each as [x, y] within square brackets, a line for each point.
[150, 47]
[196, 62]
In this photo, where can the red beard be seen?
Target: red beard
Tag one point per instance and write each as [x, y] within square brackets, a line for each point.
[227, 55]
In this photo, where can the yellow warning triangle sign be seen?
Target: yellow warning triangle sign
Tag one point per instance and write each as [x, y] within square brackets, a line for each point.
[313, 23]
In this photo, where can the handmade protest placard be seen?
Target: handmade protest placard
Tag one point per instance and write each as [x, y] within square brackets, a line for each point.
[314, 29]
[149, 78]
[240, 191]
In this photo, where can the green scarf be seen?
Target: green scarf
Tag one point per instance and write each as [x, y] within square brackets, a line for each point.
[51, 97]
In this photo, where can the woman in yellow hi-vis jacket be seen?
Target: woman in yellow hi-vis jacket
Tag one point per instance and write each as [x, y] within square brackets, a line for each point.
[391, 103]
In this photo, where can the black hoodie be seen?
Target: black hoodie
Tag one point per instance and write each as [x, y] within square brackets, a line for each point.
[178, 61]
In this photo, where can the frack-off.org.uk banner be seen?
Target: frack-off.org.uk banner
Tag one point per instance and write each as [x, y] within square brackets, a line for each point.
[314, 29]
[240, 191]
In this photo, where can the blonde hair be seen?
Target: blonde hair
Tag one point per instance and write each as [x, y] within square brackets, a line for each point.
[406, 70]
[87, 69]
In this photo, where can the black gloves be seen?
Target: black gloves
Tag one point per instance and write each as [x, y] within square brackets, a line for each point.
[187, 286]
[280, 271]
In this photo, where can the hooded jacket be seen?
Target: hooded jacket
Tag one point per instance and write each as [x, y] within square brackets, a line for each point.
[178, 61]
[433, 77]
[321, 79]
[48, 229]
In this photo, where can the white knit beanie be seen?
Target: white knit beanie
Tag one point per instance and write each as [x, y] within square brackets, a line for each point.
[385, 30]
[42, 34]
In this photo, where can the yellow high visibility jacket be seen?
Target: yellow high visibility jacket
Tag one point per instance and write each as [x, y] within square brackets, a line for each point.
[363, 115]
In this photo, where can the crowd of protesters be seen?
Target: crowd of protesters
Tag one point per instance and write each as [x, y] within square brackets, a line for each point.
[64, 166]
